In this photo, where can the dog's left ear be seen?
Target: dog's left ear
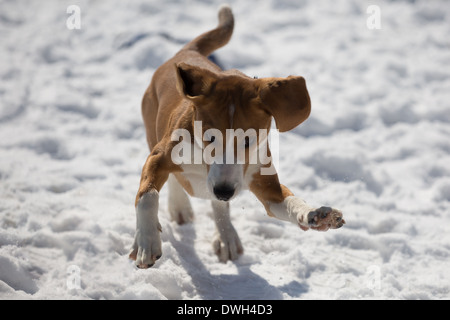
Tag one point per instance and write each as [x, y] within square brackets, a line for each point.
[194, 82]
[287, 100]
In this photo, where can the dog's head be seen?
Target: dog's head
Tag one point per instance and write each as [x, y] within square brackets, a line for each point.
[235, 111]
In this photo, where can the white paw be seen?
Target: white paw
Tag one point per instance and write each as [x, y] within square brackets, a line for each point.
[146, 248]
[227, 245]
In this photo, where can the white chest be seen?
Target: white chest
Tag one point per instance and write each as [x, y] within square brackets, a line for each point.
[197, 176]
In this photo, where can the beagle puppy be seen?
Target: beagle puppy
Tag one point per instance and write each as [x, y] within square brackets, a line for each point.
[206, 129]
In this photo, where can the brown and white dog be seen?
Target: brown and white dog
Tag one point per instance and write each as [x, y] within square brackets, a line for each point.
[188, 90]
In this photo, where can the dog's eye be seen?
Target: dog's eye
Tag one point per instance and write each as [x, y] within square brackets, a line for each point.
[212, 139]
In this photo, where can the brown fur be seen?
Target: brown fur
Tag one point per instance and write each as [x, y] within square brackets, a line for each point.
[189, 87]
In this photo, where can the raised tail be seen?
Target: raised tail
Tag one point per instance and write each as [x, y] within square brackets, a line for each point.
[212, 40]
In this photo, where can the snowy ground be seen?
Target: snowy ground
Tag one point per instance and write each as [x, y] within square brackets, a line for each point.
[376, 146]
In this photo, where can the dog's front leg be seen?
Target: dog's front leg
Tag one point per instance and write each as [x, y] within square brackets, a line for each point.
[146, 247]
[226, 244]
[280, 203]
[297, 211]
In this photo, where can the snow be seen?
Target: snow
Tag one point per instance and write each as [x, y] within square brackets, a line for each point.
[376, 146]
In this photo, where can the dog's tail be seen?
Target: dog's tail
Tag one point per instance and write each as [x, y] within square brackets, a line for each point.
[209, 41]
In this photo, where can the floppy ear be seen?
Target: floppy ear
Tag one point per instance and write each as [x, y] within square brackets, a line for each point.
[287, 100]
[193, 81]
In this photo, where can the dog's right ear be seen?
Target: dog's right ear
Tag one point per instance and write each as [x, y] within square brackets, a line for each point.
[194, 82]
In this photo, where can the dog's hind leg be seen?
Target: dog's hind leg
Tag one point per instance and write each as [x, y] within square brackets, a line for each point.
[226, 244]
[180, 208]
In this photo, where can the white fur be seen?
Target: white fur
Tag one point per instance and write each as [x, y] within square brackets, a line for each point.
[292, 209]
[196, 175]
[147, 243]
[226, 244]
[230, 174]
[180, 208]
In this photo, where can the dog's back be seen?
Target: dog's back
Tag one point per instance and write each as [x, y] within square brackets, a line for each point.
[162, 97]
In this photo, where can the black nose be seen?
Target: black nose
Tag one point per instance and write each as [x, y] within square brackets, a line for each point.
[224, 192]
